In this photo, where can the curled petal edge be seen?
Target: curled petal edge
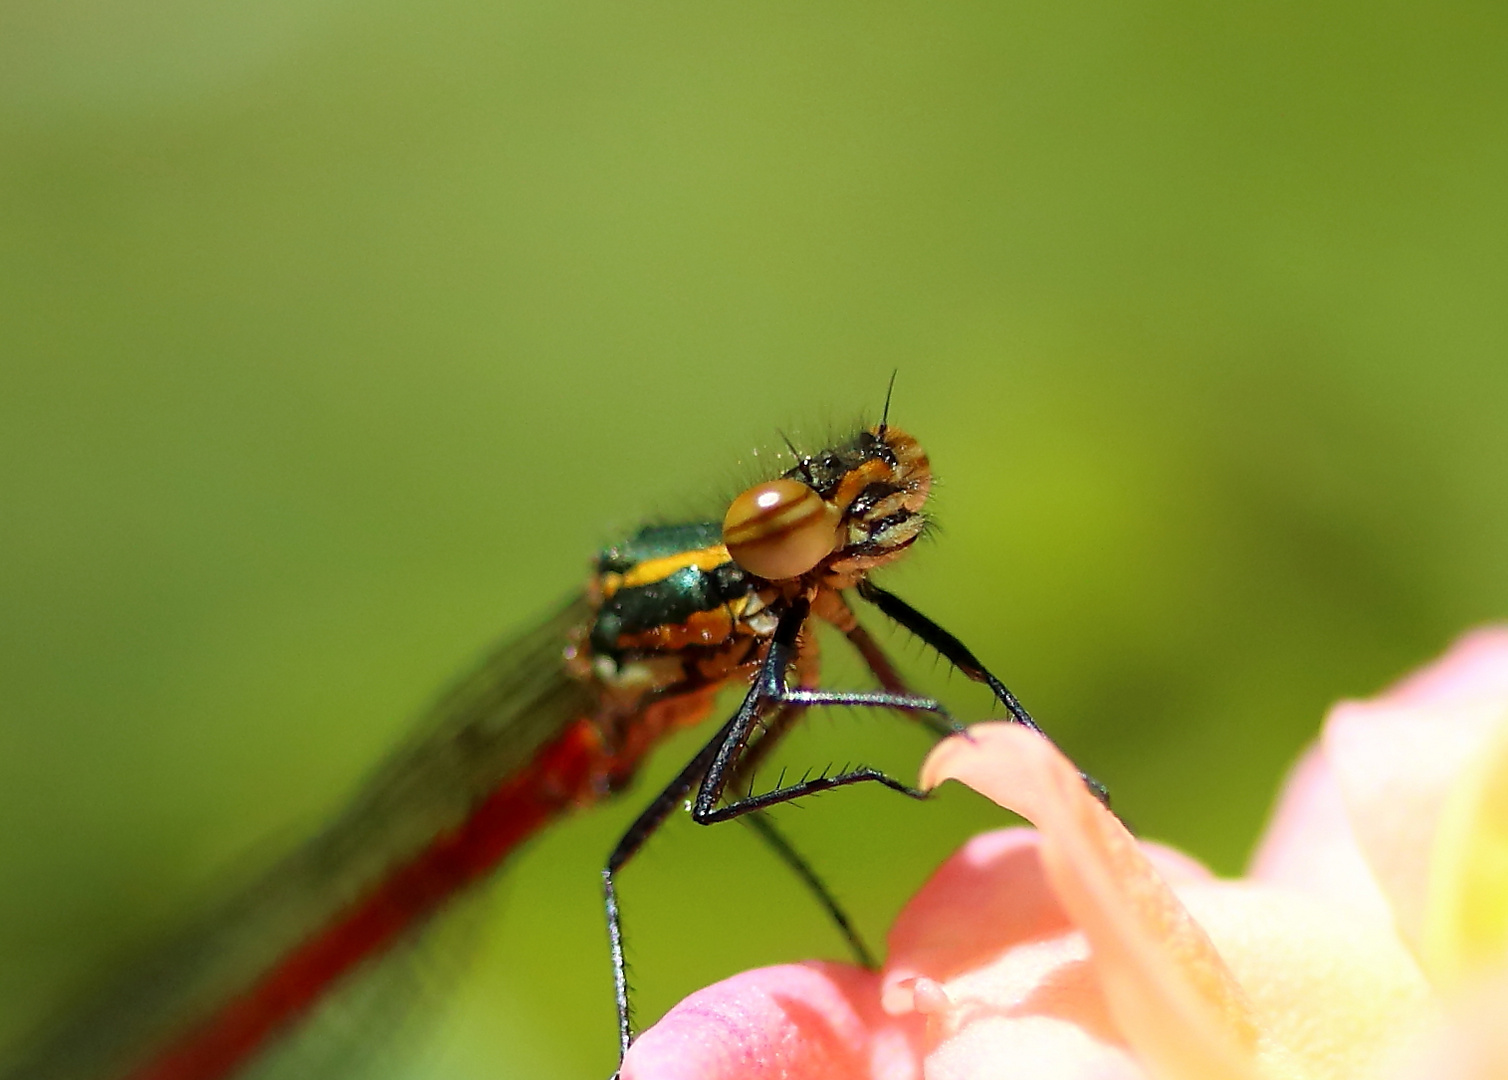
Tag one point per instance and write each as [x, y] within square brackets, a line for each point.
[1170, 993]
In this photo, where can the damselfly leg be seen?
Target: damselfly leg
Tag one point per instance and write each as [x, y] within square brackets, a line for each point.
[721, 759]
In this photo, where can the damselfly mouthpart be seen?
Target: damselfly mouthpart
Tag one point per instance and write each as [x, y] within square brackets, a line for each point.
[559, 719]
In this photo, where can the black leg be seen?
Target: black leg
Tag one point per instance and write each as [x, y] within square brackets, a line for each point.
[771, 732]
[765, 829]
[884, 671]
[718, 762]
[644, 826]
[959, 655]
[719, 755]
[758, 750]
[948, 646]
[706, 811]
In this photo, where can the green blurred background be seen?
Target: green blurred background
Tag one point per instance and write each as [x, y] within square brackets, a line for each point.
[335, 337]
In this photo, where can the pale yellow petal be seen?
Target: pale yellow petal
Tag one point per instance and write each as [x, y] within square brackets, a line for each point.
[1396, 767]
[1466, 917]
[1333, 995]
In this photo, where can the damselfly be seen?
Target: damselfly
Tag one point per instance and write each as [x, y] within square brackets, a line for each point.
[559, 719]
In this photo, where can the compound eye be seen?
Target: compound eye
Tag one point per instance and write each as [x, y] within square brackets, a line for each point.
[780, 529]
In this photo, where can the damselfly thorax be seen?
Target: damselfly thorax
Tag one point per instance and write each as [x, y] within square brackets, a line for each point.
[678, 611]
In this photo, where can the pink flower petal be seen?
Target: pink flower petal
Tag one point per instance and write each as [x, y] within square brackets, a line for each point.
[1167, 989]
[1395, 767]
[986, 952]
[986, 938]
[1357, 821]
[1474, 669]
[1041, 1048]
[1310, 847]
[814, 1020]
[989, 897]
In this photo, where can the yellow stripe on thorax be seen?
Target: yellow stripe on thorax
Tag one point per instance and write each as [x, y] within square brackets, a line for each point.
[651, 570]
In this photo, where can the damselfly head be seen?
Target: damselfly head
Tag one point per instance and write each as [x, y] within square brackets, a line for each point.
[838, 514]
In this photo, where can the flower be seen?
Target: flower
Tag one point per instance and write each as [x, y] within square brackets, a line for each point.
[1369, 939]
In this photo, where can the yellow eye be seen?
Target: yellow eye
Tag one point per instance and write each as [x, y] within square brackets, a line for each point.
[779, 529]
